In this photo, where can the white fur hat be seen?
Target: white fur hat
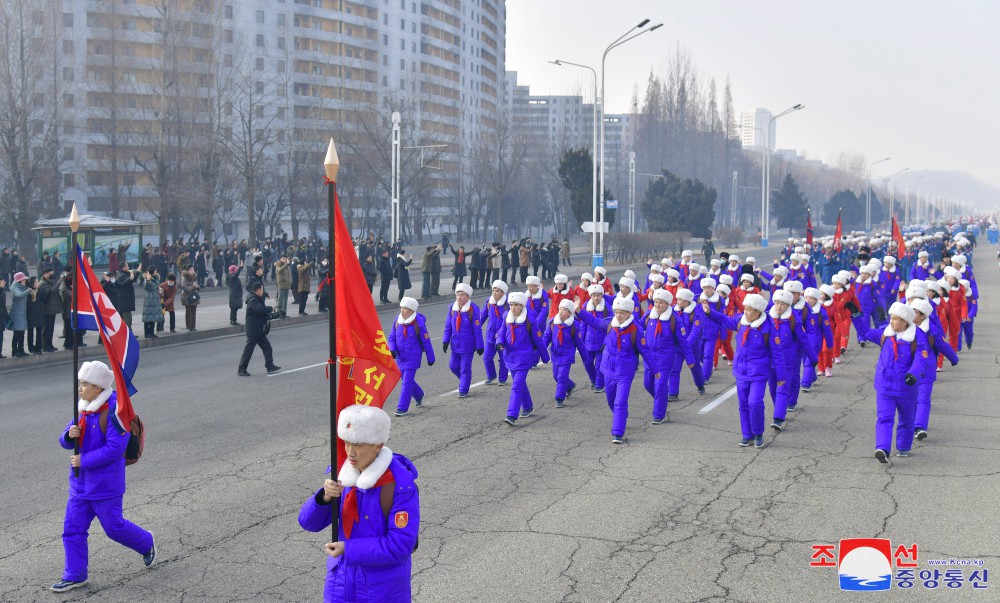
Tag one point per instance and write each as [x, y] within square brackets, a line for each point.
[671, 273]
[792, 286]
[694, 267]
[709, 282]
[464, 288]
[734, 258]
[567, 304]
[655, 268]
[586, 276]
[751, 260]
[934, 286]
[96, 373]
[922, 305]
[798, 249]
[812, 292]
[363, 424]
[901, 310]
[967, 286]
[667, 262]
[601, 270]
[917, 283]
[724, 290]
[781, 270]
[533, 280]
[409, 303]
[867, 269]
[755, 301]
[875, 262]
[837, 278]
[795, 257]
[889, 260]
[626, 282]
[715, 263]
[782, 296]
[623, 303]
[827, 290]
[726, 279]
[916, 293]
[595, 289]
[952, 271]
[561, 279]
[656, 277]
[960, 258]
[685, 294]
[630, 274]
[746, 278]
[517, 298]
[498, 284]
[923, 254]
[663, 295]
[686, 253]
[703, 270]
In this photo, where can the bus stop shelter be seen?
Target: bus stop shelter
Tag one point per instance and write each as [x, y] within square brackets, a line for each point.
[98, 235]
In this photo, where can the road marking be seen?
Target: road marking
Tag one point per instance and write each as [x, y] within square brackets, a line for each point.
[296, 370]
[455, 391]
[722, 398]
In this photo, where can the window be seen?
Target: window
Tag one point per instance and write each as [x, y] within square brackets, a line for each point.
[260, 16]
[385, 39]
[67, 74]
[280, 67]
[67, 46]
[281, 43]
[260, 40]
[318, 25]
[128, 24]
[69, 153]
[67, 19]
[68, 101]
[281, 113]
[94, 20]
[228, 60]
[402, 24]
[402, 64]
[385, 60]
[229, 36]
[385, 81]
[259, 87]
[229, 11]
[69, 180]
[259, 112]
[281, 19]
[260, 64]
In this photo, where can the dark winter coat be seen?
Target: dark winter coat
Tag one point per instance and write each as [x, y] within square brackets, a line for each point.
[3, 309]
[257, 316]
[152, 307]
[48, 292]
[236, 290]
[403, 273]
[385, 270]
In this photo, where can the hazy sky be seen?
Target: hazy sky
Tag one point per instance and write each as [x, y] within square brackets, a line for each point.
[917, 80]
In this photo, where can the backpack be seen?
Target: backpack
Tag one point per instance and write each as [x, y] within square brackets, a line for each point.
[913, 346]
[385, 498]
[633, 332]
[136, 439]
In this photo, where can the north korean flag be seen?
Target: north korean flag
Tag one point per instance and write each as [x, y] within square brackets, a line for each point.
[95, 312]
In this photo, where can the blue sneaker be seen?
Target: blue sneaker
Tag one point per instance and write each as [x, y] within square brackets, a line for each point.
[882, 456]
[527, 413]
[65, 585]
[502, 383]
[569, 392]
[665, 419]
[616, 439]
[150, 556]
[419, 402]
[560, 403]
[758, 441]
[490, 381]
[401, 413]
[599, 390]
[463, 394]
[778, 424]
[902, 453]
[510, 420]
[744, 442]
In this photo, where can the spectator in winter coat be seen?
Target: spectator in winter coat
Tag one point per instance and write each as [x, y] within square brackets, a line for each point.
[257, 316]
[36, 317]
[168, 293]
[98, 487]
[48, 293]
[524, 260]
[758, 351]
[402, 273]
[564, 335]
[152, 308]
[370, 272]
[3, 310]
[492, 315]
[20, 294]
[379, 514]
[464, 334]
[283, 282]
[564, 253]
[304, 286]
[235, 293]
[408, 341]
[520, 340]
[190, 297]
[385, 274]
[120, 289]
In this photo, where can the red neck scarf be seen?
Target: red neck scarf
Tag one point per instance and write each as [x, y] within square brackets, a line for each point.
[349, 512]
[83, 419]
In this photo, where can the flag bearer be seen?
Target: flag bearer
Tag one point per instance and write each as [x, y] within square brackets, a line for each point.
[408, 342]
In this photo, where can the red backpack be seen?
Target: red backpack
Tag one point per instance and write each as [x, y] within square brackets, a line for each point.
[136, 439]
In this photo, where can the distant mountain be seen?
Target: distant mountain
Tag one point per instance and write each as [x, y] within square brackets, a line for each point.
[955, 186]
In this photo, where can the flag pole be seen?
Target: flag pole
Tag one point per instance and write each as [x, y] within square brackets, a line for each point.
[332, 165]
[74, 225]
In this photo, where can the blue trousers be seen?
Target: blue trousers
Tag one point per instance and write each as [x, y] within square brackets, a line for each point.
[491, 369]
[76, 525]
[409, 390]
[520, 397]
[923, 411]
[461, 366]
[787, 395]
[560, 372]
[886, 408]
[616, 390]
[707, 356]
[593, 371]
[751, 398]
[657, 383]
[674, 380]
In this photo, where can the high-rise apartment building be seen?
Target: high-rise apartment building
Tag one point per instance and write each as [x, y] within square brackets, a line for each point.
[754, 129]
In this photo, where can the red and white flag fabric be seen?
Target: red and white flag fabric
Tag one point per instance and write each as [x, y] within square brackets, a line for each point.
[95, 312]
[839, 234]
[897, 236]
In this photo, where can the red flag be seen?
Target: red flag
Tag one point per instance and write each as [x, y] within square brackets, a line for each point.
[839, 234]
[897, 236]
[368, 372]
[809, 228]
[96, 313]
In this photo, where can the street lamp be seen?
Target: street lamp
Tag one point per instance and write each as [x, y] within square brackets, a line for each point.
[868, 204]
[626, 37]
[631, 192]
[766, 185]
[892, 193]
[394, 185]
[593, 241]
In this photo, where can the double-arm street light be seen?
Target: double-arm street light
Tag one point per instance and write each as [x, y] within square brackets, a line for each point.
[766, 185]
[892, 193]
[868, 203]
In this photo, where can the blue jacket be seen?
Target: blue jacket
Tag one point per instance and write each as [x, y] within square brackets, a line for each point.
[538, 307]
[693, 323]
[522, 343]
[593, 338]
[938, 344]
[102, 457]
[818, 327]
[758, 348]
[894, 361]
[794, 340]
[410, 342]
[620, 353]
[710, 331]
[564, 341]
[662, 340]
[465, 337]
[375, 565]
[866, 296]
[491, 315]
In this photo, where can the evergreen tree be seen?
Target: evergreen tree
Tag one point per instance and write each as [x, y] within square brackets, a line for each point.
[576, 173]
[853, 209]
[672, 204]
[789, 205]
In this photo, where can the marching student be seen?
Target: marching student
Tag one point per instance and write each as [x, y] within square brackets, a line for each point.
[601, 278]
[972, 308]
[758, 352]
[958, 311]
[734, 269]
[492, 315]
[520, 339]
[98, 489]
[564, 337]
[691, 320]
[673, 283]
[655, 283]
[379, 504]
[464, 334]
[820, 334]
[664, 341]
[684, 268]
[538, 299]
[710, 333]
[408, 342]
[626, 290]
[825, 365]
[791, 336]
[654, 269]
[599, 307]
[693, 281]
[938, 345]
[922, 269]
[619, 360]
[560, 291]
[724, 345]
[901, 365]
[580, 293]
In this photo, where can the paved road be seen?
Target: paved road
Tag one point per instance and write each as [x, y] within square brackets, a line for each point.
[547, 511]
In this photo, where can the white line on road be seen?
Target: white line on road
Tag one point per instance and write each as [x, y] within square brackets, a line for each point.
[455, 391]
[296, 370]
[722, 398]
